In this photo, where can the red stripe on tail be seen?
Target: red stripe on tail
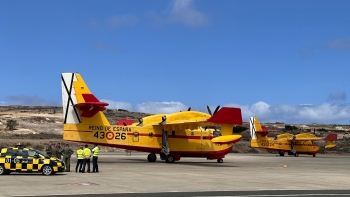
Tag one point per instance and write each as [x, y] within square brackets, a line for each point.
[227, 115]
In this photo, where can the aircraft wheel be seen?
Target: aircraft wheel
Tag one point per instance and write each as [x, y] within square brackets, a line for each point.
[296, 155]
[170, 159]
[152, 157]
[220, 160]
[314, 155]
[281, 153]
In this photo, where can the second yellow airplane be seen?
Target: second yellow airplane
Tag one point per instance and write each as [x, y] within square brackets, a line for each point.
[302, 143]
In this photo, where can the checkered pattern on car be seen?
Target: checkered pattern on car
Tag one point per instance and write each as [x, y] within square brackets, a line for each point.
[25, 164]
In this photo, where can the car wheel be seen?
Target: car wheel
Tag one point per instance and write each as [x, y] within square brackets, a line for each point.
[47, 170]
[2, 170]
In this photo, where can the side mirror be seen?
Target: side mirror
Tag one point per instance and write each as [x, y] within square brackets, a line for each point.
[36, 155]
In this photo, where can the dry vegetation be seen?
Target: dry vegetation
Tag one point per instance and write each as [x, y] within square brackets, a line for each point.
[37, 125]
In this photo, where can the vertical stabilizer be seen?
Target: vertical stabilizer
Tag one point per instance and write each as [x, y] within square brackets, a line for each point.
[79, 104]
[70, 113]
[254, 126]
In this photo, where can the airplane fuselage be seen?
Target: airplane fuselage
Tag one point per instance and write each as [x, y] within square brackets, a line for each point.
[281, 145]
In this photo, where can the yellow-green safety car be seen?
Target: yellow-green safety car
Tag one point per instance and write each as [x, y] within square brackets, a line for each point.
[28, 160]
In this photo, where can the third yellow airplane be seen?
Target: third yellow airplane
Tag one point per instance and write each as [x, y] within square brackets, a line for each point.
[172, 136]
[302, 143]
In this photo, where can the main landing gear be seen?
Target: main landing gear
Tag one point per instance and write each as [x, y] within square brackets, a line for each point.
[220, 160]
[152, 157]
[281, 153]
[170, 158]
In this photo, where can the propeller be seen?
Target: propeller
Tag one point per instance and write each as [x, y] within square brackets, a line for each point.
[189, 109]
[216, 110]
[216, 131]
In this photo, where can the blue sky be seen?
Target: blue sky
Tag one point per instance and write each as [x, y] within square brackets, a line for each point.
[279, 60]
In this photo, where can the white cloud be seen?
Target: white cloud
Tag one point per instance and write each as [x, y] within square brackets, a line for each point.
[2, 103]
[180, 11]
[118, 105]
[183, 12]
[161, 107]
[338, 44]
[324, 113]
[122, 20]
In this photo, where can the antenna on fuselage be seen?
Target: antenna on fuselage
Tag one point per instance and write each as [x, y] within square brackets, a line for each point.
[163, 120]
[140, 122]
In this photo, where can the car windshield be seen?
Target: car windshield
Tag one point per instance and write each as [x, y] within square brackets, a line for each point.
[41, 153]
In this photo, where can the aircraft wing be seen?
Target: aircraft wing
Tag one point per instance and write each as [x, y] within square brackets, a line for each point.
[310, 137]
[226, 115]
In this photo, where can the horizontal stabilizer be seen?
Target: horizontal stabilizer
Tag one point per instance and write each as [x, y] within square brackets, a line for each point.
[227, 115]
[331, 137]
[226, 139]
[91, 105]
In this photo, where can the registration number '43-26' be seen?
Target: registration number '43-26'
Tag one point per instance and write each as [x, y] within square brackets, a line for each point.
[109, 135]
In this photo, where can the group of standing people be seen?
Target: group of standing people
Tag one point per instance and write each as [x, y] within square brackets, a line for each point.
[57, 151]
[83, 156]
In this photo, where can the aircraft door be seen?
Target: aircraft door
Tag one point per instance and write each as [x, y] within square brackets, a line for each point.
[135, 136]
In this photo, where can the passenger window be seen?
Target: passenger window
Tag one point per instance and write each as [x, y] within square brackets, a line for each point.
[31, 153]
[24, 154]
[18, 153]
[10, 152]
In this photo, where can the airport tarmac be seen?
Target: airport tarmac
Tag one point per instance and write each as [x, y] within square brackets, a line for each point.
[239, 175]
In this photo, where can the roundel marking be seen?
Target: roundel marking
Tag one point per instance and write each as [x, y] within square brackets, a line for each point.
[110, 135]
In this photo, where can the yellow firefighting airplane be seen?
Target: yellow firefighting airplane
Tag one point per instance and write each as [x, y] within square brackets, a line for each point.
[172, 136]
[302, 143]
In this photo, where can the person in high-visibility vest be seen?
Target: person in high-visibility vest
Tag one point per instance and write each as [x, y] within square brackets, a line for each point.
[87, 155]
[80, 159]
[95, 151]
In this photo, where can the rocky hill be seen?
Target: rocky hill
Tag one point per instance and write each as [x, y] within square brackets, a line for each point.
[36, 125]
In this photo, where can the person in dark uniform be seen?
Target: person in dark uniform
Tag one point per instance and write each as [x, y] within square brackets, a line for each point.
[59, 149]
[67, 152]
[19, 145]
[48, 149]
[55, 151]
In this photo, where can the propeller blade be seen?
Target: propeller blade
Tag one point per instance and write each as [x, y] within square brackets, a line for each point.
[189, 109]
[216, 110]
[209, 110]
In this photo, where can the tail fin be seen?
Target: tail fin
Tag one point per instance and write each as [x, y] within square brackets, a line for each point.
[79, 103]
[255, 126]
[331, 138]
[256, 130]
[227, 115]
